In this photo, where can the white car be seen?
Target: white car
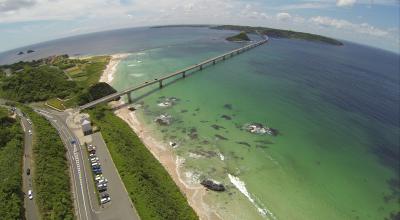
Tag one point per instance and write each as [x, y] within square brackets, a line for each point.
[30, 132]
[30, 195]
[94, 159]
[102, 180]
[105, 200]
[98, 177]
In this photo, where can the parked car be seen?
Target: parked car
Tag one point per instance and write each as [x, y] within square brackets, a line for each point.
[94, 159]
[103, 180]
[92, 155]
[92, 151]
[28, 171]
[97, 171]
[102, 189]
[30, 195]
[30, 132]
[105, 200]
[97, 177]
[104, 195]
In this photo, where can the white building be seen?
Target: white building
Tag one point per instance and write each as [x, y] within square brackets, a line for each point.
[86, 127]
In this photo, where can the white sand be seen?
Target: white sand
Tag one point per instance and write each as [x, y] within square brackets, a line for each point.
[111, 69]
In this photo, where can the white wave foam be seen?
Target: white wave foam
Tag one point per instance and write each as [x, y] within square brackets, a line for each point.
[132, 65]
[241, 186]
[139, 61]
[136, 74]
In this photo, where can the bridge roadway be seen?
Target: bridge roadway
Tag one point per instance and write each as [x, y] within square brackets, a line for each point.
[182, 72]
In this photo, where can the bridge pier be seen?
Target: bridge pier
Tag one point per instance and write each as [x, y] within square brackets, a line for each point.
[223, 58]
[213, 62]
[201, 67]
[130, 100]
[160, 84]
[183, 74]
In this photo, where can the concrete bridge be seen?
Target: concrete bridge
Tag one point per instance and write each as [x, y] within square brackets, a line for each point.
[182, 73]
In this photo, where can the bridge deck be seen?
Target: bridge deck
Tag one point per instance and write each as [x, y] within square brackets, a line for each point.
[179, 72]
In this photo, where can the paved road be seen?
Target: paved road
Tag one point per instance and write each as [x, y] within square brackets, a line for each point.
[86, 202]
[83, 207]
[31, 210]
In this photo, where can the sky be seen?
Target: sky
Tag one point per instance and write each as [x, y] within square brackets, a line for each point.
[371, 22]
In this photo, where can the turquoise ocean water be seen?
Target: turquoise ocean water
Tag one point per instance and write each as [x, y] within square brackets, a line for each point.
[336, 110]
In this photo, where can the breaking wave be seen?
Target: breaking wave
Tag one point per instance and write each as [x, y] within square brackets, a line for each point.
[241, 186]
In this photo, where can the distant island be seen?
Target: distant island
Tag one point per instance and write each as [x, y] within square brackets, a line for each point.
[271, 32]
[28, 51]
[278, 33]
[242, 36]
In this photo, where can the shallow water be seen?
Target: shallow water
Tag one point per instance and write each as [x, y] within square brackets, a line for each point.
[335, 109]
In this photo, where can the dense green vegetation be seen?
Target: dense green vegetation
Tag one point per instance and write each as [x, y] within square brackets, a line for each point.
[51, 177]
[11, 152]
[95, 92]
[150, 187]
[271, 32]
[242, 36]
[37, 84]
[51, 78]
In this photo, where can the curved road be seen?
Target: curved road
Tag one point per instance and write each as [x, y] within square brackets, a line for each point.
[86, 201]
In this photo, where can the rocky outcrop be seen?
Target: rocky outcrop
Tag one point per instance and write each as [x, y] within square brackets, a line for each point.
[209, 184]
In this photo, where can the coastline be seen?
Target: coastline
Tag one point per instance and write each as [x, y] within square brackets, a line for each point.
[162, 151]
[111, 68]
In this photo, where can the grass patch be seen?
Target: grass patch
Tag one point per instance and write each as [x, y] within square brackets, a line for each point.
[51, 177]
[11, 153]
[149, 185]
[56, 103]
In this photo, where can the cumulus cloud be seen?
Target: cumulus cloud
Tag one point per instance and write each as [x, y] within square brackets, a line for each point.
[12, 5]
[283, 16]
[345, 3]
[363, 28]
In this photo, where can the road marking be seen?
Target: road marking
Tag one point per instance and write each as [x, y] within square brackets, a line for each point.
[67, 143]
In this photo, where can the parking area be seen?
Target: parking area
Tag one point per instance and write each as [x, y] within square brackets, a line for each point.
[107, 182]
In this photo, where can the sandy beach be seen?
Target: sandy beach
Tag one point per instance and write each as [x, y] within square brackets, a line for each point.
[162, 151]
[111, 68]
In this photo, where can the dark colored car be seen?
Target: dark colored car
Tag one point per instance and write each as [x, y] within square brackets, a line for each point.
[28, 171]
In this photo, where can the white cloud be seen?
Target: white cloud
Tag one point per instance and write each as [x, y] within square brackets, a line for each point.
[363, 28]
[283, 16]
[345, 3]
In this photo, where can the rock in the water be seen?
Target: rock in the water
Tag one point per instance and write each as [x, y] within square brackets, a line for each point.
[209, 184]
[257, 128]
[226, 117]
[228, 106]
[163, 119]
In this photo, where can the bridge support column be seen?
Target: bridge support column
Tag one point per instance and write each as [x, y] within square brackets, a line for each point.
[213, 62]
[183, 74]
[223, 58]
[201, 67]
[130, 100]
[160, 82]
